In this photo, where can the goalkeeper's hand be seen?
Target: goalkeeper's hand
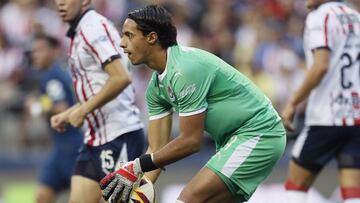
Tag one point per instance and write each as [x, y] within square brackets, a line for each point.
[121, 182]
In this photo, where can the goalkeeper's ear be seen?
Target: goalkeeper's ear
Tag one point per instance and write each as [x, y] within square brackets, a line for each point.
[152, 38]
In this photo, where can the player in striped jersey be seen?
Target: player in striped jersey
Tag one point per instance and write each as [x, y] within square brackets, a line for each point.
[105, 99]
[332, 122]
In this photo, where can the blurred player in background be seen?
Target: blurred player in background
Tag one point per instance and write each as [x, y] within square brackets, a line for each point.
[114, 131]
[210, 95]
[332, 122]
[56, 96]
[355, 3]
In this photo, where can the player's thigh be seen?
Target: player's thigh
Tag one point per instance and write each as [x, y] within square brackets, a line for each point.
[84, 190]
[129, 146]
[316, 146]
[245, 161]
[349, 157]
[96, 162]
[45, 194]
[125, 148]
[207, 187]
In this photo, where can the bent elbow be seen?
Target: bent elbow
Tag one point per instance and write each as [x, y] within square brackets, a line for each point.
[195, 146]
[323, 68]
[127, 80]
[124, 80]
[196, 149]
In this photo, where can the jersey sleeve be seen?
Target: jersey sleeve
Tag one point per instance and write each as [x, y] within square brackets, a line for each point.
[101, 40]
[318, 28]
[191, 87]
[157, 107]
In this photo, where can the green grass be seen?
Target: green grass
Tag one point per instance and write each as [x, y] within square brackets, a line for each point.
[20, 192]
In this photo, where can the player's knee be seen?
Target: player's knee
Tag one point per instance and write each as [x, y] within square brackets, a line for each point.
[42, 198]
[300, 176]
[39, 198]
[189, 195]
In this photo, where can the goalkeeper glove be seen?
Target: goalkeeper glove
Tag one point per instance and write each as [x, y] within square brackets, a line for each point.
[121, 182]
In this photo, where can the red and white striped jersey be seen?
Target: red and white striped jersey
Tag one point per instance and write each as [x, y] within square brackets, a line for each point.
[336, 100]
[94, 43]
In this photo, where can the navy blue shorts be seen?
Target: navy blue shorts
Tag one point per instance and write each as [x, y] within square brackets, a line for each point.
[317, 145]
[58, 168]
[96, 162]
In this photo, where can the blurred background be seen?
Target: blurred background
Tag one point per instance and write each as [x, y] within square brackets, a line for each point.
[261, 38]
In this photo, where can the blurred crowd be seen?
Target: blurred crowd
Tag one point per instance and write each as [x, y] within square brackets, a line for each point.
[262, 39]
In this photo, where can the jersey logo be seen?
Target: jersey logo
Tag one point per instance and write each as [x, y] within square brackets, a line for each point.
[177, 74]
[171, 94]
[348, 19]
[188, 90]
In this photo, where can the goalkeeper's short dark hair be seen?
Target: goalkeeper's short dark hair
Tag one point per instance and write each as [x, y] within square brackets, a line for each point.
[157, 19]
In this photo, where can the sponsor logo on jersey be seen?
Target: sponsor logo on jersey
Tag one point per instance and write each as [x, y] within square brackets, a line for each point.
[346, 19]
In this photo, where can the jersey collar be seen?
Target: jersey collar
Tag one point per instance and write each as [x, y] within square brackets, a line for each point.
[73, 25]
[163, 74]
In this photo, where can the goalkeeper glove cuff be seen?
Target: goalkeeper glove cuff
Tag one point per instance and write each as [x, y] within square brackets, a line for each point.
[147, 164]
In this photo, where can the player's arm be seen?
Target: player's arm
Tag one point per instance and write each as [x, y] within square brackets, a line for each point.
[320, 42]
[100, 44]
[159, 132]
[58, 108]
[121, 182]
[313, 76]
[312, 79]
[59, 120]
[192, 115]
[188, 142]
[119, 79]
[71, 109]
[191, 87]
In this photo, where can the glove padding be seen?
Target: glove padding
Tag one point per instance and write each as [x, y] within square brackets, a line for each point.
[121, 182]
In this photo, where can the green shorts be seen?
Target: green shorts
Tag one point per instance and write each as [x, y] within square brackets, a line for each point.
[245, 161]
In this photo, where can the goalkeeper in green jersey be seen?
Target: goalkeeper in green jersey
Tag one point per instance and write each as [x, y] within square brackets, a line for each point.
[209, 95]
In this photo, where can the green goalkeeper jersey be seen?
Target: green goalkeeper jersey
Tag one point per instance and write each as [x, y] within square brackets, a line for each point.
[196, 81]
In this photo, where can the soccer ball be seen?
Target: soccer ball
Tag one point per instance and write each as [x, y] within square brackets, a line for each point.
[144, 192]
